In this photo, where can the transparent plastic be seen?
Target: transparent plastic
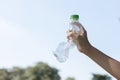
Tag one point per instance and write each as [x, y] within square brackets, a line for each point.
[63, 48]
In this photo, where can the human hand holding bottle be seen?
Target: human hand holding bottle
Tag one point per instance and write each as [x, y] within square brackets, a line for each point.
[79, 37]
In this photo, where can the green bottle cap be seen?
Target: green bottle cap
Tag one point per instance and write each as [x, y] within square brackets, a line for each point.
[74, 17]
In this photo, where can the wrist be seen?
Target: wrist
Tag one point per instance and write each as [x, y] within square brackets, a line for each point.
[88, 49]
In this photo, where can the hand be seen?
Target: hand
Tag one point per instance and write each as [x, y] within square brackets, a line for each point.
[79, 38]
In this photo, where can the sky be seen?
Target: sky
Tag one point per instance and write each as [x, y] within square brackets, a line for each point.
[31, 29]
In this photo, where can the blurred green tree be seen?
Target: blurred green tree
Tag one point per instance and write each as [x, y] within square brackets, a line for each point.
[100, 77]
[70, 78]
[41, 71]
[3, 74]
[15, 73]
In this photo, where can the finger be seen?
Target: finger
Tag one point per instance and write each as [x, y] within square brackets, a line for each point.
[72, 35]
[71, 32]
[69, 35]
[68, 31]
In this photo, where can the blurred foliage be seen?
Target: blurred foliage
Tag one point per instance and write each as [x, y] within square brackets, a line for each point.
[70, 78]
[41, 71]
[100, 77]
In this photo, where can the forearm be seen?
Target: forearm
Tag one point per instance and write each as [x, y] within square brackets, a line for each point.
[109, 64]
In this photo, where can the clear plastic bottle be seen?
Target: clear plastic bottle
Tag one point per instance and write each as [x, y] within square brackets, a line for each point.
[62, 50]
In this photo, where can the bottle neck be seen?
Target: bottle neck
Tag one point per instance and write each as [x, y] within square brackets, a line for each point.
[74, 20]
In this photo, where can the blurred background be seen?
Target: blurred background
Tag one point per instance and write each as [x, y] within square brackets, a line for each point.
[31, 29]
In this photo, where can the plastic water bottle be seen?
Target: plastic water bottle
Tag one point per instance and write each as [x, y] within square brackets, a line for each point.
[62, 50]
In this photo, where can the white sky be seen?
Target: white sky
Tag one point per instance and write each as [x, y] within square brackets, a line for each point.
[31, 29]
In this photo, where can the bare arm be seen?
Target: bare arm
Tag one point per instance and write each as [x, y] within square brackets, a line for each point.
[109, 64]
